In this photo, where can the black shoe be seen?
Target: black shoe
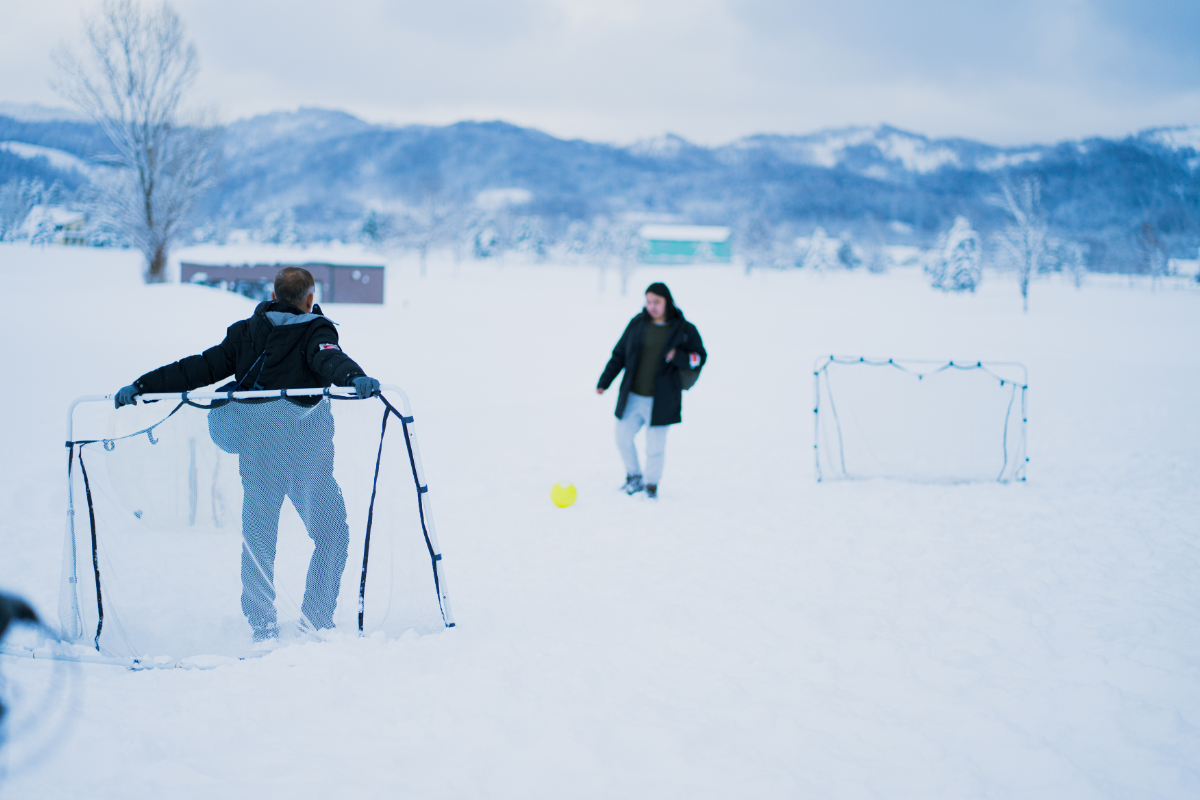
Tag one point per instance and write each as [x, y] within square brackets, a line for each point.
[652, 491]
[633, 484]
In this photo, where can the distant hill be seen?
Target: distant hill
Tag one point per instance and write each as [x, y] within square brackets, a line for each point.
[330, 169]
[35, 112]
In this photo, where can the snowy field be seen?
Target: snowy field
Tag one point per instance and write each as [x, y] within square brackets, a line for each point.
[754, 633]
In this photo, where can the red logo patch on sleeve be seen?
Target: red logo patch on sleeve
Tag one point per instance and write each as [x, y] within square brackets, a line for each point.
[328, 347]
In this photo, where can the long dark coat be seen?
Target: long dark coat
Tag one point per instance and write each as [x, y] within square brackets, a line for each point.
[279, 347]
[668, 391]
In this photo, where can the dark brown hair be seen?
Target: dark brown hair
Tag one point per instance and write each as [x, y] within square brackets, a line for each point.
[293, 285]
[662, 291]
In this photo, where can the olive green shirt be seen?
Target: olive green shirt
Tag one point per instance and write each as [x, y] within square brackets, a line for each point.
[652, 345]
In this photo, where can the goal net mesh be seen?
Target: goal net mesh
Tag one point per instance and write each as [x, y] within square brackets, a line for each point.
[945, 422]
[222, 528]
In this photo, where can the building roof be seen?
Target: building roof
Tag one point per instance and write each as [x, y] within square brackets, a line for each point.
[684, 233]
[58, 216]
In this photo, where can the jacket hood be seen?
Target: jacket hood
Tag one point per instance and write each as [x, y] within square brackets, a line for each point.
[280, 314]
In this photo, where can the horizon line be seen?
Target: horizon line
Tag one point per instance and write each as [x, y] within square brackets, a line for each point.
[70, 115]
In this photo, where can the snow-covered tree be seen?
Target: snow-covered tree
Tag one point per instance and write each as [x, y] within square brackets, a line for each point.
[219, 226]
[874, 244]
[816, 254]
[17, 198]
[433, 223]
[485, 241]
[876, 258]
[626, 249]
[847, 254]
[573, 243]
[100, 233]
[955, 265]
[1152, 252]
[613, 242]
[528, 237]
[43, 232]
[426, 225]
[762, 246]
[461, 227]
[1023, 240]
[279, 227]
[130, 77]
[778, 254]
[1066, 257]
[375, 229]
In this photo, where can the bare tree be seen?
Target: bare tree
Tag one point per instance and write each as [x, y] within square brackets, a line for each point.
[1153, 254]
[429, 221]
[1024, 239]
[1066, 257]
[626, 248]
[461, 227]
[131, 76]
[613, 242]
[760, 244]
[874, 241]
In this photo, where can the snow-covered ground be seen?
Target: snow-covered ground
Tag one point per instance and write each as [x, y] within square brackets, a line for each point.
[754, 633]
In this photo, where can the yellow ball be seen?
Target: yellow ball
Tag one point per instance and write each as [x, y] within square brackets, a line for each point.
[562, 496]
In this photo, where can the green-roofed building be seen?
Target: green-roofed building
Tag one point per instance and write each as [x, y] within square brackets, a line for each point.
[685, 244]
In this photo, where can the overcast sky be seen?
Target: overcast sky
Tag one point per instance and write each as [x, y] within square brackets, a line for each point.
[710, 70]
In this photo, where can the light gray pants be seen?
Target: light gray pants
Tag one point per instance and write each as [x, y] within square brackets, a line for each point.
[637, 414]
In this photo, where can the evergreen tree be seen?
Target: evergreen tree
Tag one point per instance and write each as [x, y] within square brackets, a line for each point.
[44, 232]
[375, 229]
[845, 254]
[955, 266]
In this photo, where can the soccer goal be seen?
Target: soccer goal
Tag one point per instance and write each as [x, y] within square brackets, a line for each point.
[930, 421]
[219, 524]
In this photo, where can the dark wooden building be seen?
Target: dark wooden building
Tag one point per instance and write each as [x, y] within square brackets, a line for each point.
[336, 283]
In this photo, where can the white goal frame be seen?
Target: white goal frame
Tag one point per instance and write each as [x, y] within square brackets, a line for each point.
[342, 392]
[923, 369]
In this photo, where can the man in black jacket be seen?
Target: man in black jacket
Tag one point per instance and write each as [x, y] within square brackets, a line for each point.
[284, 447]
[659, 351]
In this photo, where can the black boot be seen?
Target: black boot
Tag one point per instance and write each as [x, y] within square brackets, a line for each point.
[652, 491]
[633, 484]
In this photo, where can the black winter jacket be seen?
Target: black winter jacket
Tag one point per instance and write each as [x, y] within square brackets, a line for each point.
[668, 391]
[280, 347]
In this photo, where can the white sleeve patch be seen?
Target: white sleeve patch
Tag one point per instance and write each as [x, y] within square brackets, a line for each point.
[328, 347]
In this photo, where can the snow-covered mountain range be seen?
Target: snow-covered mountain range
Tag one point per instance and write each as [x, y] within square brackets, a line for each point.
[330, 169]
[885, 152]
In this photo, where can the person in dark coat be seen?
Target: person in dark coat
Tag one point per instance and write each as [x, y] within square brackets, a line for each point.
[285, 447]
[661, 353]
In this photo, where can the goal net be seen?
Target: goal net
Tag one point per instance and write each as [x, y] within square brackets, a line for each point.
[943, 422]
[209, 524]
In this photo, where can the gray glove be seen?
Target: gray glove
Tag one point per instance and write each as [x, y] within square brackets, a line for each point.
[365, 387]
[126, 395]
